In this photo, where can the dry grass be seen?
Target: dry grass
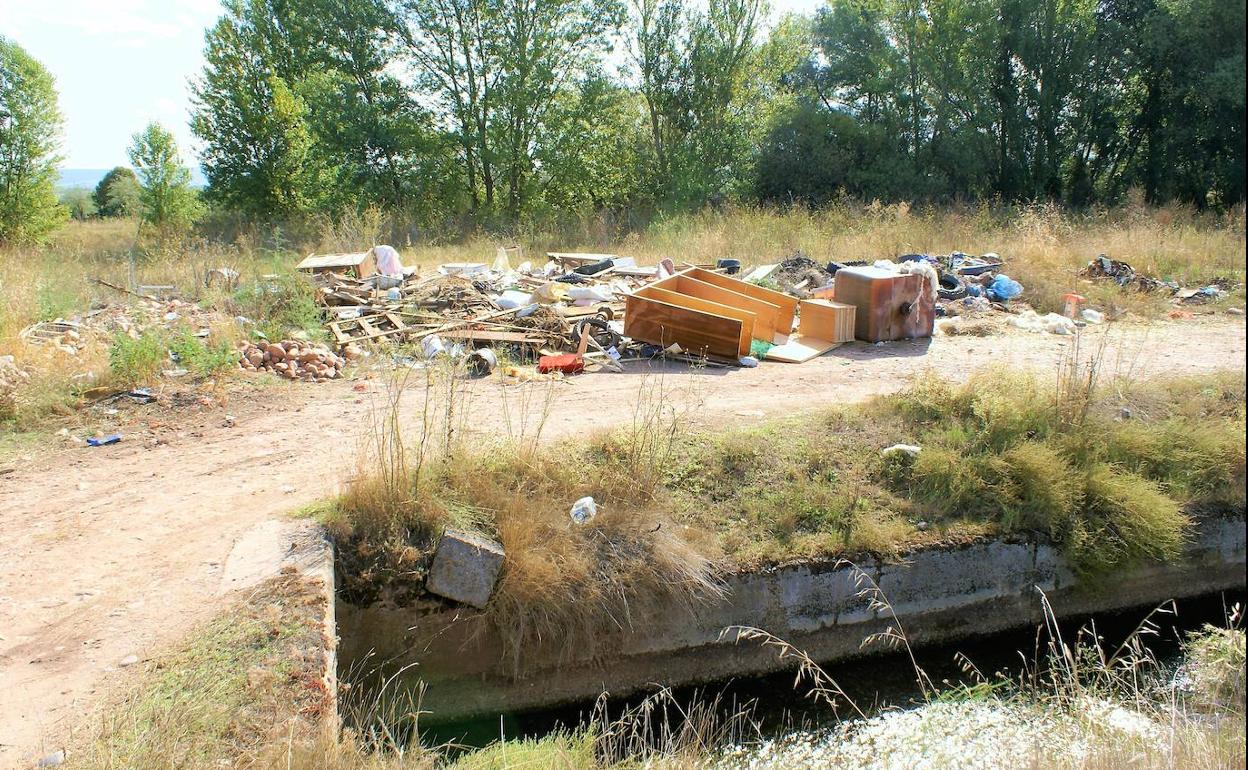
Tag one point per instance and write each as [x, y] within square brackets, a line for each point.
[236, 690]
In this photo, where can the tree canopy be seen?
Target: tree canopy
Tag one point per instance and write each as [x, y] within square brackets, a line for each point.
[118, 194]
[488, 111]
[30, 132]
[167, 201]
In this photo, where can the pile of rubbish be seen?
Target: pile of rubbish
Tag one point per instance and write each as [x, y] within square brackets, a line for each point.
[293, 359]
[572, 304]
[1121, 273]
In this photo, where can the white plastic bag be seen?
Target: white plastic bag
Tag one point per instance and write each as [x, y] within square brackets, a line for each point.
[584, 509]
[388, 262]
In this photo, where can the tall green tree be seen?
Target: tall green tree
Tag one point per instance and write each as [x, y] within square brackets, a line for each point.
[118, 194]
[30, 131]
[260, 155]
[166, 196]
[693, 68]
[498, 71]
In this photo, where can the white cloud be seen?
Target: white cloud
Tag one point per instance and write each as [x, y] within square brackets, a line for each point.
[126, 23]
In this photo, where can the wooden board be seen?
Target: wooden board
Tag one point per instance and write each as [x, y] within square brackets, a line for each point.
[697, 332]
[484, 335]
[787, 304]
[827, 320]
[800, 349]
[766, 313]
[362, 263]
[577, 258]
[746, 318]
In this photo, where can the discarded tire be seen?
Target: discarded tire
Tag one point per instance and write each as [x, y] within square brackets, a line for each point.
[951, 287]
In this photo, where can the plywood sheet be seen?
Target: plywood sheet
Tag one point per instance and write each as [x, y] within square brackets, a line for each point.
[362, 263]
[800, 349]
[698, 332]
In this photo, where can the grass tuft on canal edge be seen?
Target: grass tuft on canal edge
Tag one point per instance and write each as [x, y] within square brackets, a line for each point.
[1112, 474]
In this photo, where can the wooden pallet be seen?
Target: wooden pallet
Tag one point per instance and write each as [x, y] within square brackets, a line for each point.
[367, 328]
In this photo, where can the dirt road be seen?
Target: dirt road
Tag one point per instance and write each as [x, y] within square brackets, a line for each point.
[109, 554]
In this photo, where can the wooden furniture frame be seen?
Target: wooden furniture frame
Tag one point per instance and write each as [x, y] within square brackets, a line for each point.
[707, 313]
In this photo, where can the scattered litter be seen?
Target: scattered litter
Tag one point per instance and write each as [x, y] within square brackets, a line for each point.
[225, 278]
[909, 450]
[481, 362]
[564, 363]
[1003, 288]
[1092, 316]
[1052, 323]
[584, 509]
[387, 259]
[138, 396]
[105, 441]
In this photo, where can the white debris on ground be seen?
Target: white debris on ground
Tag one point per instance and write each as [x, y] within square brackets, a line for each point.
[964, 736]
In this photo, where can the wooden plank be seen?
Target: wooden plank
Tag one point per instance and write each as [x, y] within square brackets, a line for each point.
[661, 323]
[759, 273]
[396, 320]
[827, 320]
[766, 313]
[787, 304]
[486, 335]
[341, 337]
[578, 258]
[800, 349]
[747, 318]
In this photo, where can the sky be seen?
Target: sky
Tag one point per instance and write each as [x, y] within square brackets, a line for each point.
[120, 64]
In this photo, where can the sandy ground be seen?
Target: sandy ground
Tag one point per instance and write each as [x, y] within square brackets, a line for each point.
[109, 554]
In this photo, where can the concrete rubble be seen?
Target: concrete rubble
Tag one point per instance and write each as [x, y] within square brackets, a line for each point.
[465, 568]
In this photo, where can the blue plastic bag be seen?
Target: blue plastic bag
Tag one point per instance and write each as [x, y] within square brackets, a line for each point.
[1003, 288]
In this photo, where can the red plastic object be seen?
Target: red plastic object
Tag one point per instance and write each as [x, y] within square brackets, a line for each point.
[568, 363]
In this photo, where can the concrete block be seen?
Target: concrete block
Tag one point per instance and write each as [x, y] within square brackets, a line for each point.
[465, 567]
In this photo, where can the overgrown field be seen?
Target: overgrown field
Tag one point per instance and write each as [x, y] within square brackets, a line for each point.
[1044, 247]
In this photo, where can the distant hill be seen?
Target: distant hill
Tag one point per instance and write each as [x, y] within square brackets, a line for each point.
[90, 177]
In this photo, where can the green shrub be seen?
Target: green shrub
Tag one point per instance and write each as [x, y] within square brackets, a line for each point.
[280, 306]
[137, 360]
[948, 482]
[200, 357]
[1126, 518]
[1038, 489]
[1200, 460]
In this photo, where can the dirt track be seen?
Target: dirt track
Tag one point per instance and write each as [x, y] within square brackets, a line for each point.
[117, 551]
